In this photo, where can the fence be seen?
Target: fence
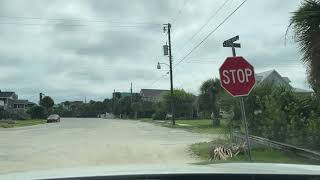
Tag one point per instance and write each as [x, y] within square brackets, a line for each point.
[255, 140]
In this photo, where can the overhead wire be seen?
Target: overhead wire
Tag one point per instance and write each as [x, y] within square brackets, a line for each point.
[179, 12]
[214, 14]
[70, 19]
[154, 82]
[209, 34]
[65, 24]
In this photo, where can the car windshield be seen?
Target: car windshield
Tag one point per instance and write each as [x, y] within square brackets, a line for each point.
[161, 83]
[54, 116]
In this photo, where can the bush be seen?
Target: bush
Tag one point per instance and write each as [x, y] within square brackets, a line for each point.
[279, 114]
[159, 115]
[5, 114]
[37, 112]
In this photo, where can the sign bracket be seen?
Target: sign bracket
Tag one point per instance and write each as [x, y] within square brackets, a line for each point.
[230, 43]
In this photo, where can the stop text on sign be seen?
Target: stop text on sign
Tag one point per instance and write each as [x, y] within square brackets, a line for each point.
[236, 75]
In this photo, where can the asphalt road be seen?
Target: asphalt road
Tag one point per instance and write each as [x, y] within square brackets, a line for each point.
[80, 142]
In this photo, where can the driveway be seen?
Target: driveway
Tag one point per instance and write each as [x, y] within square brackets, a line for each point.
[83, 142]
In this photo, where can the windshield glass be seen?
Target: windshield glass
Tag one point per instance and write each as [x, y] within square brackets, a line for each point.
[158, 83]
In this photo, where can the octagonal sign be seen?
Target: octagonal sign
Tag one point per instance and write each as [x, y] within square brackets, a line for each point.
[237, 76]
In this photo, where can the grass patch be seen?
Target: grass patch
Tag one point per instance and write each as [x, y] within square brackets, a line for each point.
[146, 120]
[6, 125]
[201, 150]
[21, 123]
[198, 126]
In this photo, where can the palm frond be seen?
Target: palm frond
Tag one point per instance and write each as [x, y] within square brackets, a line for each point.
[306, 32]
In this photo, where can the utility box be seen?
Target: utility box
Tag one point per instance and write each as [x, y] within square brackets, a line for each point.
[165, 50]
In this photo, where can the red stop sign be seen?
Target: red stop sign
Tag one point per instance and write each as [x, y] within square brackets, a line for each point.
[237, 76]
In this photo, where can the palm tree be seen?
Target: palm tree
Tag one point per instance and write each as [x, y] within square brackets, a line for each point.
[209, 92]
[305, 24]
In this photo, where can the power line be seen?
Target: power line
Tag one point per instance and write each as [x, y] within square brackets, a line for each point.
[206, 23]
[154, 82]
[83, 20]
[195, 47]
[179, 12]
[65, 24]
[204, 39]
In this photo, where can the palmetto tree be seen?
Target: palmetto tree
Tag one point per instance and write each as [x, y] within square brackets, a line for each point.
[209, 94]
[305, 24]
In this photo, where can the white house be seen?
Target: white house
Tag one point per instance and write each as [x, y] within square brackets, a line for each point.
[7, 99]
[272, 76]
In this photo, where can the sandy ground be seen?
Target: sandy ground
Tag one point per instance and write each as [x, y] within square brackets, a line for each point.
[79, 142]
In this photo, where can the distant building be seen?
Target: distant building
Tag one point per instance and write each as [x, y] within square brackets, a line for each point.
[15, 107]
[7, 99]
[22, 104]
[272, 76]
[122, 94]
[69, 104]
[152, 95]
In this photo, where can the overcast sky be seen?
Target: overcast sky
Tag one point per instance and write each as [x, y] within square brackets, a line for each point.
[74, 49]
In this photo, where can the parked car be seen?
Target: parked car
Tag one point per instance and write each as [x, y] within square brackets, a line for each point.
[53, 118]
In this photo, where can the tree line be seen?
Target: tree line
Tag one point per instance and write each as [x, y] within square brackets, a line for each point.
[186, 105]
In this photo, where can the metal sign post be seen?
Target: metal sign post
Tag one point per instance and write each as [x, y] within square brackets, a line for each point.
[230, 43]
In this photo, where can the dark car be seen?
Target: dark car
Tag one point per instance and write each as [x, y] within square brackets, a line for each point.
[53, 118]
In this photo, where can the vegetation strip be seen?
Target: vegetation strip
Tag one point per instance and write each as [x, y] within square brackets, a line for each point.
[198, 126]
[201, 150]
[21, 123]
[282, 146]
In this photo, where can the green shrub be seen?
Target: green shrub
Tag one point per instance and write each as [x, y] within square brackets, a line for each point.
[37, 112]
[280, 114]
[159, 115]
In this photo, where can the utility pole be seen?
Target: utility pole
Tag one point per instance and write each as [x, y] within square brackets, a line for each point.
[168, 26]
[85, 100]
[131, 92]
[114, 91]
[40, 98]
[131, 98]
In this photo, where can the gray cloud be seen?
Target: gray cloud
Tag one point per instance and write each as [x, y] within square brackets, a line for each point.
[77, 48]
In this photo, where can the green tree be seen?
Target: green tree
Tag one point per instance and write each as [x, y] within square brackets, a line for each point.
[209, 99]
[98, 107]
[136, 107]
[47, 102]
[107, 105]
[161, 109]
[124, 106]
[182, 102]
[37, 112]
[305, 24]
[148, 108]
[67, 104]
[58, 110]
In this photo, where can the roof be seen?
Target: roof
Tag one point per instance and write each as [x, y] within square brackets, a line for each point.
[152, 92]
[286, 79]
[263, 75]
[22, 101]
[125, 94]
[6, 94]
[72, 102]
[299, 90]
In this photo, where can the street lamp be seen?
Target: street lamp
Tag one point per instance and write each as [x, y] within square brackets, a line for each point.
[171, 100]
[159, 65]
